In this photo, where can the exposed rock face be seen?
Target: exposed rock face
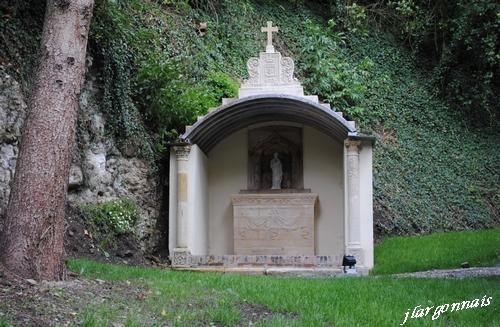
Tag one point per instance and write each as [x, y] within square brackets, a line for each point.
[12, 114]
[100, 172]
[75, 177]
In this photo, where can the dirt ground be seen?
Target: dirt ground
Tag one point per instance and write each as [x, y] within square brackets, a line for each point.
[79, 242]
[28, 303]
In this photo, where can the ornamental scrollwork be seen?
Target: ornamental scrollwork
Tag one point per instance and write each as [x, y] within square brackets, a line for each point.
[253, 70]
[287, 67]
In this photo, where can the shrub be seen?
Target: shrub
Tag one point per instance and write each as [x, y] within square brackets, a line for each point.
[336, 80]
[222, 86]
[115, 217]
[170, 99]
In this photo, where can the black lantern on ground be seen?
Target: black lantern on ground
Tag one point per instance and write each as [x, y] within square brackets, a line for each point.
[348, 261]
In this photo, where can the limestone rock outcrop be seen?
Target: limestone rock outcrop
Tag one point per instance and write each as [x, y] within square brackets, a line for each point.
[99, 173]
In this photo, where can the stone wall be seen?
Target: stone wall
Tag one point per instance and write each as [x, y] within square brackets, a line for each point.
[99, 173]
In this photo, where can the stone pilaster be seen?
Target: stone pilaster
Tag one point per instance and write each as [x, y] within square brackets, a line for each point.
[182, 153]
[353, 242]
[172, 204]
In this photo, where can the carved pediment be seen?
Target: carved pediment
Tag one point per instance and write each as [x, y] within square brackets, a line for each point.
[270, 72]
[271, 69]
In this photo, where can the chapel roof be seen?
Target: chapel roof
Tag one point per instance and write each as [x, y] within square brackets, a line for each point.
[255, 109]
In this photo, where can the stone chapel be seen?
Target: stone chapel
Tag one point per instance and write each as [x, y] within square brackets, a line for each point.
[271, 179]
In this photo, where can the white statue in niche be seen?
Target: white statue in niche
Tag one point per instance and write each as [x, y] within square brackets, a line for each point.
[277, 172]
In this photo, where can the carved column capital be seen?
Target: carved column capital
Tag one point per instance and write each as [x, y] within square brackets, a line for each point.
[181, 151]
[353, 146]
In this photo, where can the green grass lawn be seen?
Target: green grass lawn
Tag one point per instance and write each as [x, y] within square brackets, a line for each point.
[181, 298]
[203, 299]
[187, 298]
[437, 251]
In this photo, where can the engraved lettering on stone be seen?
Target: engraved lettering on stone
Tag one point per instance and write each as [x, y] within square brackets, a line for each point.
[271, 71]
[305, 233]
[280, 223]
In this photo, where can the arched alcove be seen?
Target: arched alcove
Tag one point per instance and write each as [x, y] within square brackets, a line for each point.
[241, 113]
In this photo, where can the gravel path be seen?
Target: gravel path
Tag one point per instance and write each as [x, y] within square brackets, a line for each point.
[454, 273]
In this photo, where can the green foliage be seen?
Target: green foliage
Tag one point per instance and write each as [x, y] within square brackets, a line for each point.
[164, 89]
[111, 218]
[356, 19]
[171, 100]
[4, 322]
[221, 86]
[427, 162]
[336, 80]
[461, 40]
[473, 84]
[437, 251]
[144, 72]
[20, 31]
[112, 45]
[180, 5]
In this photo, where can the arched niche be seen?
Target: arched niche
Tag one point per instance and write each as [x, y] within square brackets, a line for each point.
[263, 143]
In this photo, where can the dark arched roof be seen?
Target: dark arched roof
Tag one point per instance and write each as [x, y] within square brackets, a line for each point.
[241, 113]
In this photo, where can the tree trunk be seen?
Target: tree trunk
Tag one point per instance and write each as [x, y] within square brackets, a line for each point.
[33, 242]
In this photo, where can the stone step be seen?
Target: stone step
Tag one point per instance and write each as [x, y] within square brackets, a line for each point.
[326, 105]
[313, 98]
[259, 261]
[274, 271]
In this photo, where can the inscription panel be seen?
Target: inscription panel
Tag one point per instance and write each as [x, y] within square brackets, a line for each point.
[274, 224]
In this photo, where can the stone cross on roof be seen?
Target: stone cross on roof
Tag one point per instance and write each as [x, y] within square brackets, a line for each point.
[271, 73]
[269, 30]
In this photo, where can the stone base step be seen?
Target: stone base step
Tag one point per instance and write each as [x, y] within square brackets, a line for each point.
[271, 265]
[185, 260]
[274, 271]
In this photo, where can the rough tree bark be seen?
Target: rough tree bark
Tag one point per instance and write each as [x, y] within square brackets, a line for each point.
[33, 242]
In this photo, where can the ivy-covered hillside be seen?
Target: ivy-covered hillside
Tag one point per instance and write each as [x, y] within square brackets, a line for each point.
[162, 63]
